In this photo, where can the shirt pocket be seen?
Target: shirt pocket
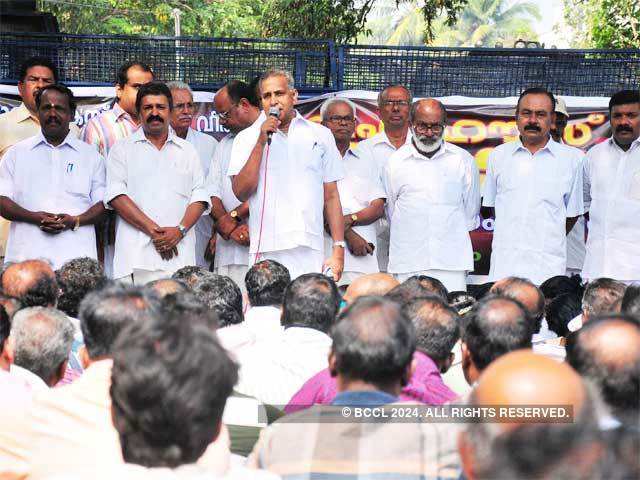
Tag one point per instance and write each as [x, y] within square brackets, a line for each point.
[448, 193]
[75, 182]
[313, 157]
[181, 183]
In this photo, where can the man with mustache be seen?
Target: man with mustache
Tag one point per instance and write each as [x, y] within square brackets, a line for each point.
[612, 194]
[434, 198]
[181, 118]
[156, 186]
[52, 186]
[535, 186]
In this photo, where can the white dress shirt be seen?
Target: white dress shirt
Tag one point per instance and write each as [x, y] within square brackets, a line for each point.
[69, 178]
[360, 186]
[612, 188]
[274, 370]
[433, 203]
[297, 167]
[206, 147]
[576, 246]
[34, 381]
[162, 183]
[228, 252]
[260, 323]
[532, 195]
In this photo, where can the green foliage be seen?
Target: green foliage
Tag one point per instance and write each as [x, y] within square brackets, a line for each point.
[604, 23]
[434, 9]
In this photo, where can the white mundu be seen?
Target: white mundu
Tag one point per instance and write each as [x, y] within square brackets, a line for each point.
[290, 227]
[162, 183]
[69, 178]
[206, 147]
[231, 259]
[612, 196]
[433, 203]
[532, 195]
[360, 186]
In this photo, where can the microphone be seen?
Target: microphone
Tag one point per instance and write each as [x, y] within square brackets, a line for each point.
[273, 112]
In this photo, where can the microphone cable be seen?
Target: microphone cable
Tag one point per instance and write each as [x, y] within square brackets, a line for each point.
[264, 198]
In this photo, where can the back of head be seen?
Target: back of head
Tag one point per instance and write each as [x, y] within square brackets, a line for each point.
[104, 313]
[607, 351]
[496, 325]
[76, 278]
[32, 282]
[525, 292]
[373, 341]
[221, 295]
[166, 286]
[370, 284]
[266, 283]
[170, 383]
[436, 325]
[41, 340]
[311, 300]
[561, 310]
[190, 274]
[525, 450]
[561, 285]
[433, 286]
[408, 290]
[602, 296]
[188, 307]
[631, 301]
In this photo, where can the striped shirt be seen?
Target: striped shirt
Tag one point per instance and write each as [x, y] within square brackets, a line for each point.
[107, 128]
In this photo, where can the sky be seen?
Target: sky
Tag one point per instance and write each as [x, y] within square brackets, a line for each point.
[551, 15]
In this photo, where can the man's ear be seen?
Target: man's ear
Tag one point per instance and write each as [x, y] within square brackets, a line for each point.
[295, 95]
[59, 373]
[333, 367]
[7, 351]
[408, 372]
[446, 365]
[85, 360]
[118, 89]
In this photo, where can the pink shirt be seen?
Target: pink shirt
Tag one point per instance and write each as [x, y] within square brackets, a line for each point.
[425, 386]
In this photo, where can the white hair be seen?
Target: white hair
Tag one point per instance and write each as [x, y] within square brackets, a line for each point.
[178, 85]
[332, 101]
[277, 73]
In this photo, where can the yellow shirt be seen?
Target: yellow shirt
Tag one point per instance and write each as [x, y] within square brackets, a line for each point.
[16, 125]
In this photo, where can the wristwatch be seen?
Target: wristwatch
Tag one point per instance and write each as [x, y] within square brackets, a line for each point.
[77, 224]
[234, 214]
[340, 243]
[354, 218]
[182, 229]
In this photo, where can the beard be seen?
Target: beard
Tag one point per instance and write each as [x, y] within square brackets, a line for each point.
[426, 144]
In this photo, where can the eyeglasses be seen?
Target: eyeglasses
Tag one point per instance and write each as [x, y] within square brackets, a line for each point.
[436, 128]
[338, 119]
[395, 103]
[225, 115]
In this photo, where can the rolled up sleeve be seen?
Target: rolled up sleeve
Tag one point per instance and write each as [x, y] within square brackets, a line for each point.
[116, 175]
[7, 168]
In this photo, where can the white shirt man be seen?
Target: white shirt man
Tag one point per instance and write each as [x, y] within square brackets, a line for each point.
[286, 224]
[162, 183]
[433, 203]
[231, 259]
[38, 176]
[612, 188]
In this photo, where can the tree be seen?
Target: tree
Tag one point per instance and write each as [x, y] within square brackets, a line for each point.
[604, 23]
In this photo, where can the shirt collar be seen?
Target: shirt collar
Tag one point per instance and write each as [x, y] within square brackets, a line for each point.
[350, 151]
[550, 146]
[634, 144]
[34, 381]
[23, 114]
[381, 137]
[69, 140]
[363, 398]
[121, 114]
[139, 136]
[411, 150]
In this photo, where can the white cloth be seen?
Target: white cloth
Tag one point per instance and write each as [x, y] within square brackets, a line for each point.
[432, 204]
[34, 381]
[612, 193]
[380, 149]
[299, 260]
[275, 369]
[228, 252]
[69, 178]
[576, 245]
[142, 277]
[206, 147]
[532, 195]
[544, 333]
[575, 324]
[162, 183]
[260, 323]
[294, 173]
[454, 281]
[359, 187]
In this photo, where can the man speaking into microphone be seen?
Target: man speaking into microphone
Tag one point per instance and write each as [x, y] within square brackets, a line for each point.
[287, 167]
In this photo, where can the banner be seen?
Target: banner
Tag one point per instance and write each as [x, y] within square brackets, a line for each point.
[476, 124]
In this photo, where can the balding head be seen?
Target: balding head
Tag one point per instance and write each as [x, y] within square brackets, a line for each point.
[32, 282]
[373, 345]
[428, 107]
[525, 292]
[495, 326]
[370, 284]
[166, 286]
[601, 296]
[607, 352]
[495, 450]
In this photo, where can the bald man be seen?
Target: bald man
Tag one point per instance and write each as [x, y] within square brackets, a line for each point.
[370, 284]
[32, 282]
[607, 352]
[522, 450]
[433, 202]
